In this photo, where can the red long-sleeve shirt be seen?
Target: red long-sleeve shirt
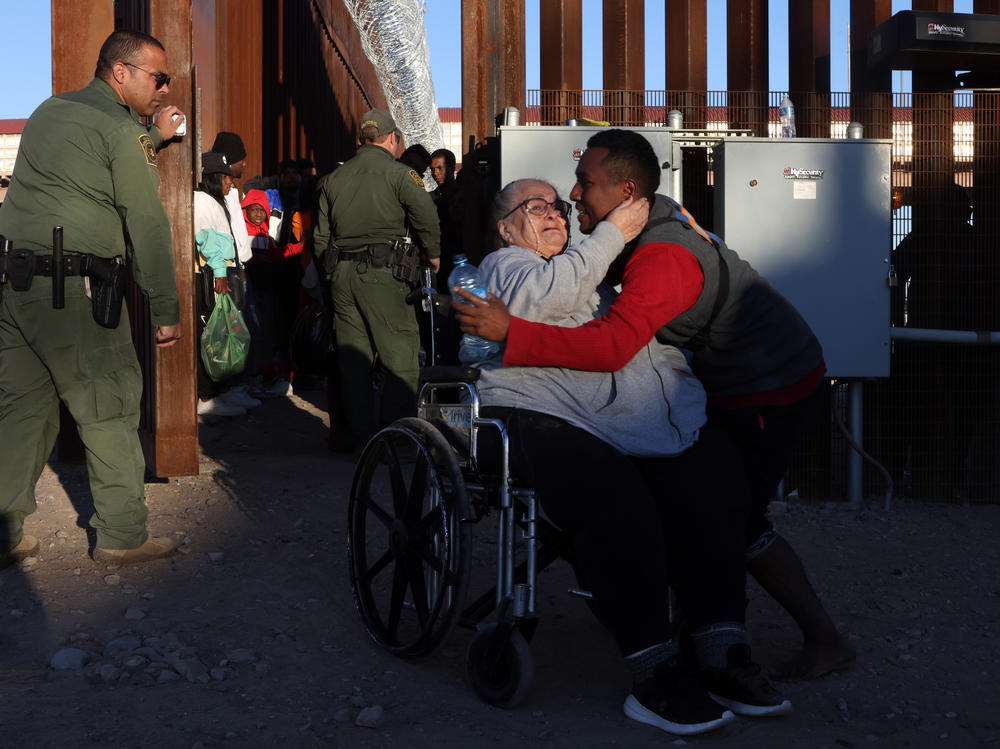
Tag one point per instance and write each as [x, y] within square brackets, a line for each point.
[661, 281]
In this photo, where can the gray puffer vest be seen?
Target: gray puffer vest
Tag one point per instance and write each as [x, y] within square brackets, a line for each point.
[746, 337]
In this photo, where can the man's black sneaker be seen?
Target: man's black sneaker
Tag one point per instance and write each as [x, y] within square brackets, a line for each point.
[674, 701]
[743, 688]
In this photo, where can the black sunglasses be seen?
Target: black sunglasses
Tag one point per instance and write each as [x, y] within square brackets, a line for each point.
[540, 206]
[161, 79]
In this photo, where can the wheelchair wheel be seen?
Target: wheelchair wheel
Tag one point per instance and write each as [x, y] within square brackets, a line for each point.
[408, 547]
[500, 665]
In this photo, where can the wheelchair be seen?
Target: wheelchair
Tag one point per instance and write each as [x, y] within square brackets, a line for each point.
[419, 488]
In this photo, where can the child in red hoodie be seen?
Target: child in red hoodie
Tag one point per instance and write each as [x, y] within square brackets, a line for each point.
[262, 273]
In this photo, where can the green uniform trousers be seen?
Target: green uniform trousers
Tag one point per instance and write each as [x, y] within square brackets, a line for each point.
[371, 315]
[48, 355]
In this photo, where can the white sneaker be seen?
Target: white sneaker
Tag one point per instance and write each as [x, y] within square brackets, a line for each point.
[277, 389]
[238, 396]
[218, 407]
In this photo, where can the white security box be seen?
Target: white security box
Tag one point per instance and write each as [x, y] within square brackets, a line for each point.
[813, 216]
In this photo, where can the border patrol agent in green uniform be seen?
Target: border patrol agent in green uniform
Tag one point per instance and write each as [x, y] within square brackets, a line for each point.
[366, 208]
[86, 164]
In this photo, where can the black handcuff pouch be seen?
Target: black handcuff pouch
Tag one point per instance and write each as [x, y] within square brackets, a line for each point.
[20, 269]
[379, 255]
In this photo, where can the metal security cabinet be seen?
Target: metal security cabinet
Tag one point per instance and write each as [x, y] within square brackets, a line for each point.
[551, 153]
[813, 216]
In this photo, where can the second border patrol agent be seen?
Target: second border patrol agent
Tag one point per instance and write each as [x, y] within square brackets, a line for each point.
[366, 208]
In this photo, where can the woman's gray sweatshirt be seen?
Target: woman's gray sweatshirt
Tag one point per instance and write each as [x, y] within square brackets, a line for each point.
[654, 406]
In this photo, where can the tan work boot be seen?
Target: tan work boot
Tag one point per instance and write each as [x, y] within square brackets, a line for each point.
[27, 547]
[154, 548]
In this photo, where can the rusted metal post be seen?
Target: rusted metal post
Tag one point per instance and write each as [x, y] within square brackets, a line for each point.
[746, 64]
[686, 34]
[871, 90]
[986, 154]
[560, 60]
[933, 115]
[809, 66]
[173, 447]
[935, 239]
[78, 30]
[492, 64]
[240, 27]
[492, 78]
[624, 62]
[513, 55]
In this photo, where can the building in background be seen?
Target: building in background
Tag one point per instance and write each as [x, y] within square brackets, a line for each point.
[10, 139]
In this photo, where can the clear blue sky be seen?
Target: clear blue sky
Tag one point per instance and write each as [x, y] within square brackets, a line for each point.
[27, 76]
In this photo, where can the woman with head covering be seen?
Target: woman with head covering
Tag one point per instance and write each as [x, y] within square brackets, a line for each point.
[216, 254]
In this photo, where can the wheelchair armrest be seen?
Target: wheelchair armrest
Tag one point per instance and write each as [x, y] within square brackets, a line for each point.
[449, 374]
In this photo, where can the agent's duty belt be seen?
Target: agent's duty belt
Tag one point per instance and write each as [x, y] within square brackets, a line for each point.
[364, 252]
[73, 265]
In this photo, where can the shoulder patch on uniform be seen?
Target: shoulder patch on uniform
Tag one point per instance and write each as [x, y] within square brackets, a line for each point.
[416, 178]
[148, 149]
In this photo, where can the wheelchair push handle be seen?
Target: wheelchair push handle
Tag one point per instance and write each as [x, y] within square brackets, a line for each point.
[427, 291]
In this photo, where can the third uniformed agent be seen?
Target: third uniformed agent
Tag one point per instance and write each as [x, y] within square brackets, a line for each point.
[365, 207]
[87, 164]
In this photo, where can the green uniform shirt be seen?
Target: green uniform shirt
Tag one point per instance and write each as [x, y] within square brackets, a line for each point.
[373, 198]
[87, 164]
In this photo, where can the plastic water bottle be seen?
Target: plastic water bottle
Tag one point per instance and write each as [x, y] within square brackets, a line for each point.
[786, 114]
[466, 276]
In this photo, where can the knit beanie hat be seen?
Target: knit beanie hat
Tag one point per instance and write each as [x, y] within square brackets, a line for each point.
[230, 144]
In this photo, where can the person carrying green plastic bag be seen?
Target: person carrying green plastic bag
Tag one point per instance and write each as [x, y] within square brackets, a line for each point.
[225, 340]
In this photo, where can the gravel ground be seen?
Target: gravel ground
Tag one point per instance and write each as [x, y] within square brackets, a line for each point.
[250, 638]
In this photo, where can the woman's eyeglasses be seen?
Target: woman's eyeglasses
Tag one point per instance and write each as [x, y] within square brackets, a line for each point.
[540, 207]
[160, 79]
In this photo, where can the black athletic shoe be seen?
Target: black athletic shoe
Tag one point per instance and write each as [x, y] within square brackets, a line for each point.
[743, 688]
[674, 701]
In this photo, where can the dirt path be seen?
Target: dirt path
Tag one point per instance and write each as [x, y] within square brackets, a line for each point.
[251, 639]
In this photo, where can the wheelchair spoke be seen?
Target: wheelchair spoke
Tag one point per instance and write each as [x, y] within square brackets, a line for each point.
[418, 485]
[378, 512]
[434, 563]
[429, 524]
[380, 564]
[400, 494]
[398, 596]
[419, 588]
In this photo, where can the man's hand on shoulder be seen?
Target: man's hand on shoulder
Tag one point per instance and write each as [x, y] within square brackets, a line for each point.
[167, 335]
[486, 318]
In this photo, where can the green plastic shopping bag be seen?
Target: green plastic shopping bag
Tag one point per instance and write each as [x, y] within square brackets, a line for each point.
[225, 341]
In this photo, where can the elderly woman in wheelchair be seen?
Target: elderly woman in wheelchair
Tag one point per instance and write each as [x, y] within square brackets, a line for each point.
[623, 464]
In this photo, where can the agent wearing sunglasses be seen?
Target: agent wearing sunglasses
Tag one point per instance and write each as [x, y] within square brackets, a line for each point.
[86, 163]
